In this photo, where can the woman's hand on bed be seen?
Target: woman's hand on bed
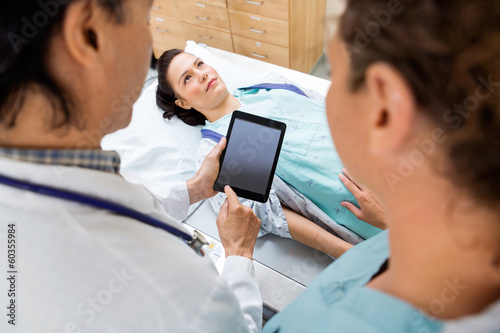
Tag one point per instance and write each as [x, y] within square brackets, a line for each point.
[201, 186]
[238, 226]
[371, 210]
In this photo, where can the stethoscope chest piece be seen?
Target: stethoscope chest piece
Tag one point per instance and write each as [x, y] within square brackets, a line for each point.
[198, 242]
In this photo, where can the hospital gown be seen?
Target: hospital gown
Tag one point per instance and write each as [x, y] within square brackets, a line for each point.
[308, 161]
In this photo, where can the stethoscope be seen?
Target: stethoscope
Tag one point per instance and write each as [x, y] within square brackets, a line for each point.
[196, 241]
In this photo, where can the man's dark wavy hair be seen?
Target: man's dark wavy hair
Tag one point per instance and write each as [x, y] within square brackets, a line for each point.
[26, 29]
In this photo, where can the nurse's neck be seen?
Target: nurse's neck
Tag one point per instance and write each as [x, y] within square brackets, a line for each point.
[227, 106]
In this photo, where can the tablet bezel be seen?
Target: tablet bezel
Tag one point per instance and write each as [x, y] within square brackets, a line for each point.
[266, 122]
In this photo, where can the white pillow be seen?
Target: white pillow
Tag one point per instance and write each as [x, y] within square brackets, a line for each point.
[154, 150]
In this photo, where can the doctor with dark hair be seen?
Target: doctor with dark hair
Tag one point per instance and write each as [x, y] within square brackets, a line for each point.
[88, 251]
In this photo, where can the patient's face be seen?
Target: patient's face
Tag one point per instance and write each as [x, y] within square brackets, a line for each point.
[347, 112]
[198, 84]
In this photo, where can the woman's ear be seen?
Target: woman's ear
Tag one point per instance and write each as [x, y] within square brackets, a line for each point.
[393, 112]
[182, 104]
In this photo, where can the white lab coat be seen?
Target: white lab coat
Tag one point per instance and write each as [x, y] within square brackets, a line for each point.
[80, 269]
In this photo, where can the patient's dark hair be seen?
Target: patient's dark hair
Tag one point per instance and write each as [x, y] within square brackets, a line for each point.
[166, 96]
[26, 29]
[448, 51]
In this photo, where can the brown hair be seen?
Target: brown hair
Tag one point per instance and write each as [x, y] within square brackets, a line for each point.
[24, 42]
[166, 96]
[448, 52]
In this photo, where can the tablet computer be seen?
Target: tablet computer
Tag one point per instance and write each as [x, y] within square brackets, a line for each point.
[251, 155]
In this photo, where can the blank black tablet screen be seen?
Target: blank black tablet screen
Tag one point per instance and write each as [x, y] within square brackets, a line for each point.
[249, 156]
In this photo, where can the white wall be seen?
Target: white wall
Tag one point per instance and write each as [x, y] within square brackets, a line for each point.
[334, 8]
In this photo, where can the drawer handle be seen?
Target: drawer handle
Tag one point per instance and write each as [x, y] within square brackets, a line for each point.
[205, 37]
[156, 7]
[161, 30]
[203, 18]
[255, 2]
[257, 31]
[259, 56]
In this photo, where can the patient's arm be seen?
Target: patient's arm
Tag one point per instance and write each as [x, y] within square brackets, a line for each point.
[309, 233]
[201, 186]
[371, 210]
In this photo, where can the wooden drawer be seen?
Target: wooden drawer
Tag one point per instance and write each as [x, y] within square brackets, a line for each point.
[166, 28]
[220, 3]
[167, 34]
[271, 8]
[218, 39]
[261, 28]
[164, 8]
[262, 51]
[204, 14]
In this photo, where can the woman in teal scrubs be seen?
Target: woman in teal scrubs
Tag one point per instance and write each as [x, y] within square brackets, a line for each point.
[417, 84]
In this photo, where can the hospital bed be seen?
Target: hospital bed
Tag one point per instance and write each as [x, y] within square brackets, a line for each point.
[155, 151]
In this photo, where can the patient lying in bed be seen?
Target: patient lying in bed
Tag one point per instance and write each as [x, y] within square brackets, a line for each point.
[306, 176]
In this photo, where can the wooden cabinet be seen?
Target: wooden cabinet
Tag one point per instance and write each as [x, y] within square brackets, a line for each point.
[173, 22]
[165, 27]
[274, 54]
[271, 8]
[259, 28]
[204, 14]
[287, 33]
[219, 39]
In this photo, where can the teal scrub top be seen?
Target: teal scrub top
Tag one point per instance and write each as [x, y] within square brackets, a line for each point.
[339, 301]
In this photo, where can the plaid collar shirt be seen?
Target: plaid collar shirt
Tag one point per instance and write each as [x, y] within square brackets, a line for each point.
[107, 161]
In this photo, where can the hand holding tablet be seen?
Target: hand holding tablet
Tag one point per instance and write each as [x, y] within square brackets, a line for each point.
[249, 161]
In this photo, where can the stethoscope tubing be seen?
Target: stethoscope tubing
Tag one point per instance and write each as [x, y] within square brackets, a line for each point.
[95, 202]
